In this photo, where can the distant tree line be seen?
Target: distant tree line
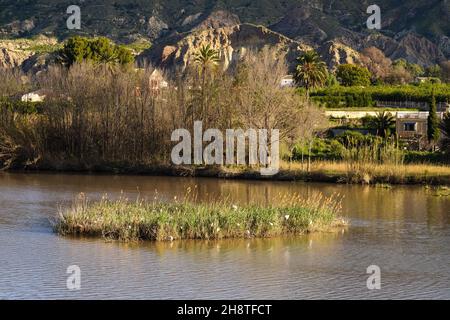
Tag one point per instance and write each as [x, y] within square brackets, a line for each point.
[98, 50]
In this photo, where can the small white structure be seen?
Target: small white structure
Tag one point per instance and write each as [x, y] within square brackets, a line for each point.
[35, 96]
[287, 82]
[425, 79]
[157, 81]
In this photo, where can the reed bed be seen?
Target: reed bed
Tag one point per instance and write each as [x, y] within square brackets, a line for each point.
[373, 173]
[137, 220]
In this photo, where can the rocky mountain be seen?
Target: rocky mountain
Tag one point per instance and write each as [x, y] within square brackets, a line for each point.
[233, 42]
[417, 30]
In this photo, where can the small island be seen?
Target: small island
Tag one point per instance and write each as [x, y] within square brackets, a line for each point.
[139, 220]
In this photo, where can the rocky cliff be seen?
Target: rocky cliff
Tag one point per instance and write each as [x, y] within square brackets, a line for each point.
[30, 55]
[235, 41]
[417, 30]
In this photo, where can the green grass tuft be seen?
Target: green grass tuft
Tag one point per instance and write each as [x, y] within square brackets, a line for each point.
[139, 220]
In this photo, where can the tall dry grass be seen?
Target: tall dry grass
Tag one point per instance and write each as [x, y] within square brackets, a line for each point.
[371, 173]
[99, 117]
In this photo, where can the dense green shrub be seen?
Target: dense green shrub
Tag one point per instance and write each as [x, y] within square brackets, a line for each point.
[354, 138]
[98, 50]
[425, 157]
[344, 97]
[337, 149]
[19, 106]
[353, 75]
[321, 149]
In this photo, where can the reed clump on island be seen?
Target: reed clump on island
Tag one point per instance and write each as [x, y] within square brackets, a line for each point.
[165, 221]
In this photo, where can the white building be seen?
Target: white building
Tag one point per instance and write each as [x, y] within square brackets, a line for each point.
[287, 82]
[157, 81]
[35, 96]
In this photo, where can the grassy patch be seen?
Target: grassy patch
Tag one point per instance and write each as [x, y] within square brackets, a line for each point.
[161, 221]
[373, 173]
[139, 46]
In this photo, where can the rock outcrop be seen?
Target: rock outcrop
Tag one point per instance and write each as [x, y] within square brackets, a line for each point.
[218, 19]
[155, 27]
[417, 31]
[409, 46]
[26, 54]
[12, 58]
[231, 42]
[336, 53]
[234, 42]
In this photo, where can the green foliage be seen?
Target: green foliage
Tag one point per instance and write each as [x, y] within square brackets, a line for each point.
[332, 81]
[383, 123]
[424, 157]
[416, 70]
[321, 149]
[311, 72]
[433, 71]
[124, 55]
[371, 150]
[337, 97]
[161, 221]
[20, 107]
[433, 121]
[355, 147]
[139, 46]
[44, 48]
[98, 50]
[345, 97]
[356, 139]
[206, 57]
[353, 75]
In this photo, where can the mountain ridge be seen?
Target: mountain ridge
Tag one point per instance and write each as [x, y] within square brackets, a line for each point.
[410, 29]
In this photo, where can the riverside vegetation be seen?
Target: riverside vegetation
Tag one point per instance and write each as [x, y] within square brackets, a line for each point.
[126, 220]
[100, 113]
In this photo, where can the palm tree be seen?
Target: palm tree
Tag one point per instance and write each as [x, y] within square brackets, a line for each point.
[311, 72]
[206, 58]
[384, 123]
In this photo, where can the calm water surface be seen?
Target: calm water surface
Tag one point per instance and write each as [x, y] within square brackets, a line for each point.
[404, 230]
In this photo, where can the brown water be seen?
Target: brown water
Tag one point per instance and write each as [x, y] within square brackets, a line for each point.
[404, 230]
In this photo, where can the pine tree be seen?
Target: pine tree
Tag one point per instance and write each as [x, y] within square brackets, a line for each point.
[433, 121]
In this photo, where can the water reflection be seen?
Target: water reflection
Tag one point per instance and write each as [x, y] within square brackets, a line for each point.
[404, 230]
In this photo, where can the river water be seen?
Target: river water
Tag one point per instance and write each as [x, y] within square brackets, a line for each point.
[405, 231]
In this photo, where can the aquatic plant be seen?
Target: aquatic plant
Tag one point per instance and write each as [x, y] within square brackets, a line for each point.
[126, 220]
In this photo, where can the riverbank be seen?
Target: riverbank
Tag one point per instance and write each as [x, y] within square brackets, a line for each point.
[161, 221]
[320, 171]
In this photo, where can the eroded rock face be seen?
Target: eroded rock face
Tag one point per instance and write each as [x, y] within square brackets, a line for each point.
[218, 19]
[410, 46]
[304, 23]
[21, 53]
[231, 42]
[11, 58]
[444, 45]
[17, 27]
[308, 21]
[193, 18]
[156, 27]
[334, 28]
[336, 53]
